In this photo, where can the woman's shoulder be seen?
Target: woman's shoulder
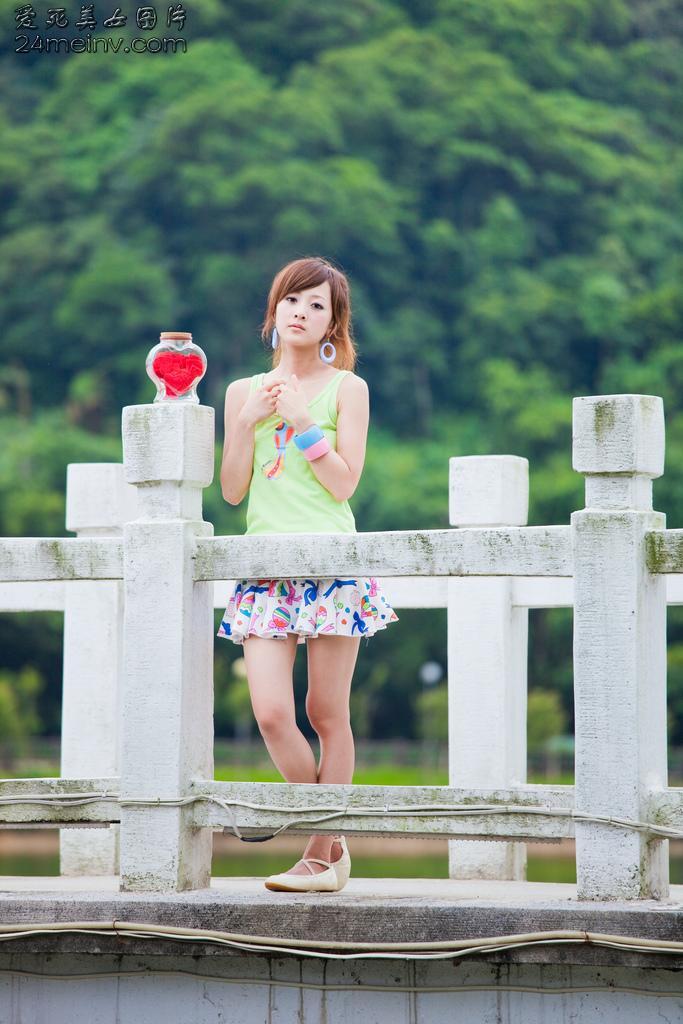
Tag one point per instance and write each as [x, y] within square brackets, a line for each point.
[352, 388]
[239, 385]
[236, 394]
[351, 382]
[351, 379]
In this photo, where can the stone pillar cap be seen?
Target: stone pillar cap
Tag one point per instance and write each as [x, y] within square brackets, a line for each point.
[618, 434]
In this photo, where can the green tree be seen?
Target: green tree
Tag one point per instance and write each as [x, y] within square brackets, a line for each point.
[19, 715]
[500, 179]
[431, 706]
[545, 718]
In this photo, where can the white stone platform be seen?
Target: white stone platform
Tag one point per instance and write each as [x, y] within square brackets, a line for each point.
[431, 909]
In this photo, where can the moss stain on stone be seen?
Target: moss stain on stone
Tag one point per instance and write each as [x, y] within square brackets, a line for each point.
[655, 551]
[604, 417]
[55, 550]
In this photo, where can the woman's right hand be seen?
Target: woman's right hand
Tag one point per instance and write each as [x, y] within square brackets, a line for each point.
[261, 404]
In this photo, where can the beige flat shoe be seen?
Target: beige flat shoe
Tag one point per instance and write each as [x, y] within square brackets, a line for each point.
[332, 879]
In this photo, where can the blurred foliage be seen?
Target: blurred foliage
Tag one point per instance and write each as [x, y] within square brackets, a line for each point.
[19, 716]
[33, 460]
[546, 718]
[500, 179]
[431, 706]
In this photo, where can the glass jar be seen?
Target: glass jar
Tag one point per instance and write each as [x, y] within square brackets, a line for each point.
[176, 365]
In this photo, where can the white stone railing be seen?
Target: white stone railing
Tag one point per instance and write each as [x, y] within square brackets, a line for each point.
[138, 586]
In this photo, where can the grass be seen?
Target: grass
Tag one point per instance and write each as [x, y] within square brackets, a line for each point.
[376, 775]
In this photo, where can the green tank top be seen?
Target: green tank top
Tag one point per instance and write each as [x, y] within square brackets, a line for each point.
[285, 496]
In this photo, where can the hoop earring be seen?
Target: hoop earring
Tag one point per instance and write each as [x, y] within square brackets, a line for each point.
[275, 338]
[330, 358]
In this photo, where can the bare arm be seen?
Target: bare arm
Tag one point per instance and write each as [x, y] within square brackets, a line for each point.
[339, 471]
[242, 412]
[238, 446]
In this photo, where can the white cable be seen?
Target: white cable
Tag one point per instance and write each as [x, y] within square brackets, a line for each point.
[327, 949]
[415, 810]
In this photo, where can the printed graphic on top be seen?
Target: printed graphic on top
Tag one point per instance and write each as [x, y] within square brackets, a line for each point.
[281, 437]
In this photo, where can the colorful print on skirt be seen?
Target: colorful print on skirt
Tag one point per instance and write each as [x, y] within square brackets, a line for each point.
[274, 608]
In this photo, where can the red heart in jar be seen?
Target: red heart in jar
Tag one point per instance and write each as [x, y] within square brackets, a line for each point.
[178, 371]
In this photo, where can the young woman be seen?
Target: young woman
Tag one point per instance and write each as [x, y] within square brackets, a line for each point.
[295, 442]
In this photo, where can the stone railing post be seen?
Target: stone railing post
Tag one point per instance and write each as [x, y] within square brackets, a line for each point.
[619, 646]
[98, 501]
[167, 707]
[487, 660]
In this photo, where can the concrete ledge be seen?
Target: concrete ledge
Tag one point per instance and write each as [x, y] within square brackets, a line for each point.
[367, 910]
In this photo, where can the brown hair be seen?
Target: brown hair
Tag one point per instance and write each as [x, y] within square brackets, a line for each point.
[300, 275]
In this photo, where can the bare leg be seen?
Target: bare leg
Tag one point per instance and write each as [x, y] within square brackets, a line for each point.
[331, 663]
[270, 665]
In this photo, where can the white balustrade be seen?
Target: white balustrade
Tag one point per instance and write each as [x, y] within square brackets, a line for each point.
[139, 583]
[619, 646]
[98, 502]
[487, 659]
[167, 693]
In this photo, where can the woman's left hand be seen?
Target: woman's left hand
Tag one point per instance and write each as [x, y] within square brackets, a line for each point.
[291, 404]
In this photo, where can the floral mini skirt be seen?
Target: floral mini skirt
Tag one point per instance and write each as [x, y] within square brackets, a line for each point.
[273, 608]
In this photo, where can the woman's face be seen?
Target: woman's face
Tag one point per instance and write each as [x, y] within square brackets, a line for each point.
[303, 318]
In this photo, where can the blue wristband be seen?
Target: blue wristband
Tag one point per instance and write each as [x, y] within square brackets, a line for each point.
[310, 436]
